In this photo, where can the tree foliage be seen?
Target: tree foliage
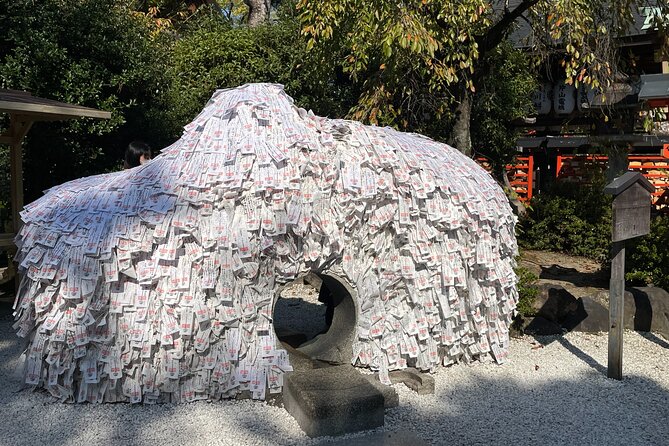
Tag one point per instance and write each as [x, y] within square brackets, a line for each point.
[153, 76]
[504, 95]
[570, 218]
[95, 53]
[444, 44]
[214, 53]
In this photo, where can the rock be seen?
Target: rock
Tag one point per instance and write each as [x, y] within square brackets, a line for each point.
[290, 337]
[651, 309]
[287, 189]
[593, 317]
[301, 361]
[421, 383]
[333, 401]
[590, 316]
[645, 309]
[336, 345]
[554, 302]
[542, 326]
[556, 272]
[313, 280]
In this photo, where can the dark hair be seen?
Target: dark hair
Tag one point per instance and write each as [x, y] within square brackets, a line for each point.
[134, 152]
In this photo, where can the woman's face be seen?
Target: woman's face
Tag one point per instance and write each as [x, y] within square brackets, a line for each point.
[143, 159]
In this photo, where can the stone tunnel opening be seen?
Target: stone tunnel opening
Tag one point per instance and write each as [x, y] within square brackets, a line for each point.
[316, 315]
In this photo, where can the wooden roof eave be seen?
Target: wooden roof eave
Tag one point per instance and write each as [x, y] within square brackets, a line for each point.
[48, 112]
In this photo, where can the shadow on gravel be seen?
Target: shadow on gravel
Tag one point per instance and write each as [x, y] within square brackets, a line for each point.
[652, 337]
[580, 354]
[544, 411]
[583, 356]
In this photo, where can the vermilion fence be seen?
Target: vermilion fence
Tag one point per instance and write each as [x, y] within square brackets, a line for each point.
[654, 167]
[580, 168]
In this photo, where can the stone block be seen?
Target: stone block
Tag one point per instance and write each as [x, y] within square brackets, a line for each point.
[390, 396]
[651, 309]
[590, 317]
[399, 438]
[333, 401]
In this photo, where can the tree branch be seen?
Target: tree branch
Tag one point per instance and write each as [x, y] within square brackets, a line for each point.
[498, 31]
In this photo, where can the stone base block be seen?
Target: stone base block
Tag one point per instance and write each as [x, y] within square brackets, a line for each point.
[332, 401]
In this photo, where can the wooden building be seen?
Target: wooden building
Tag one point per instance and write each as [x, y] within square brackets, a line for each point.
[571, 139]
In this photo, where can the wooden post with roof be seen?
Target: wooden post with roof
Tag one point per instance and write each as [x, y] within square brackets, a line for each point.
[23, 110]
[631, 218]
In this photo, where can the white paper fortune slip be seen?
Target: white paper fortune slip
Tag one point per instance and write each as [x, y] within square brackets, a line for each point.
[157, 283]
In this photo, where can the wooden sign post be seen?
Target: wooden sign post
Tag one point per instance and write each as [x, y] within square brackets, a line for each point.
[631, 218]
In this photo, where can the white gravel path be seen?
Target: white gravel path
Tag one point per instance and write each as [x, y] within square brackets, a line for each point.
[555, 395]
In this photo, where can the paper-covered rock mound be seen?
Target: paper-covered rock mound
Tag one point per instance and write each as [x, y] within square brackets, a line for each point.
[158, 283]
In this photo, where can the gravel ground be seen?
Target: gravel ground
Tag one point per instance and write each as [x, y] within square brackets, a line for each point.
[555, 394]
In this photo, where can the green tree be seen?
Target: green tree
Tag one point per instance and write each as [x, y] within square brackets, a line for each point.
[213, 52]
[406, 52]
[172, 14]
[96, 53]
[504, 95]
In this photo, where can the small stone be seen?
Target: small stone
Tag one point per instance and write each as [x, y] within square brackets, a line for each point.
[421, 383]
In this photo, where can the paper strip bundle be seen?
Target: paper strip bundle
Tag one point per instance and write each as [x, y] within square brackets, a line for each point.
[157, 283]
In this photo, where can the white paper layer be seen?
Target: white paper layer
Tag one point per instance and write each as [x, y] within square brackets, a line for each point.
[157, 283]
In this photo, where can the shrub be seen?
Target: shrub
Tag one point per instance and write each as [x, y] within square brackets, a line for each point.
[647, 258]
[527, 291]
[569, 218]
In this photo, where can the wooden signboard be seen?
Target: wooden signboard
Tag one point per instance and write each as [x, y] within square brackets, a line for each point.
[631, 213]
[631, 218]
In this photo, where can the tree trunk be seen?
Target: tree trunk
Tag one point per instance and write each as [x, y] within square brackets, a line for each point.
[461, 137]
[258, 11]
[618, 162]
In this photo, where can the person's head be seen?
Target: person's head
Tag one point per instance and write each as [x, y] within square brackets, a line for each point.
[136, 153]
